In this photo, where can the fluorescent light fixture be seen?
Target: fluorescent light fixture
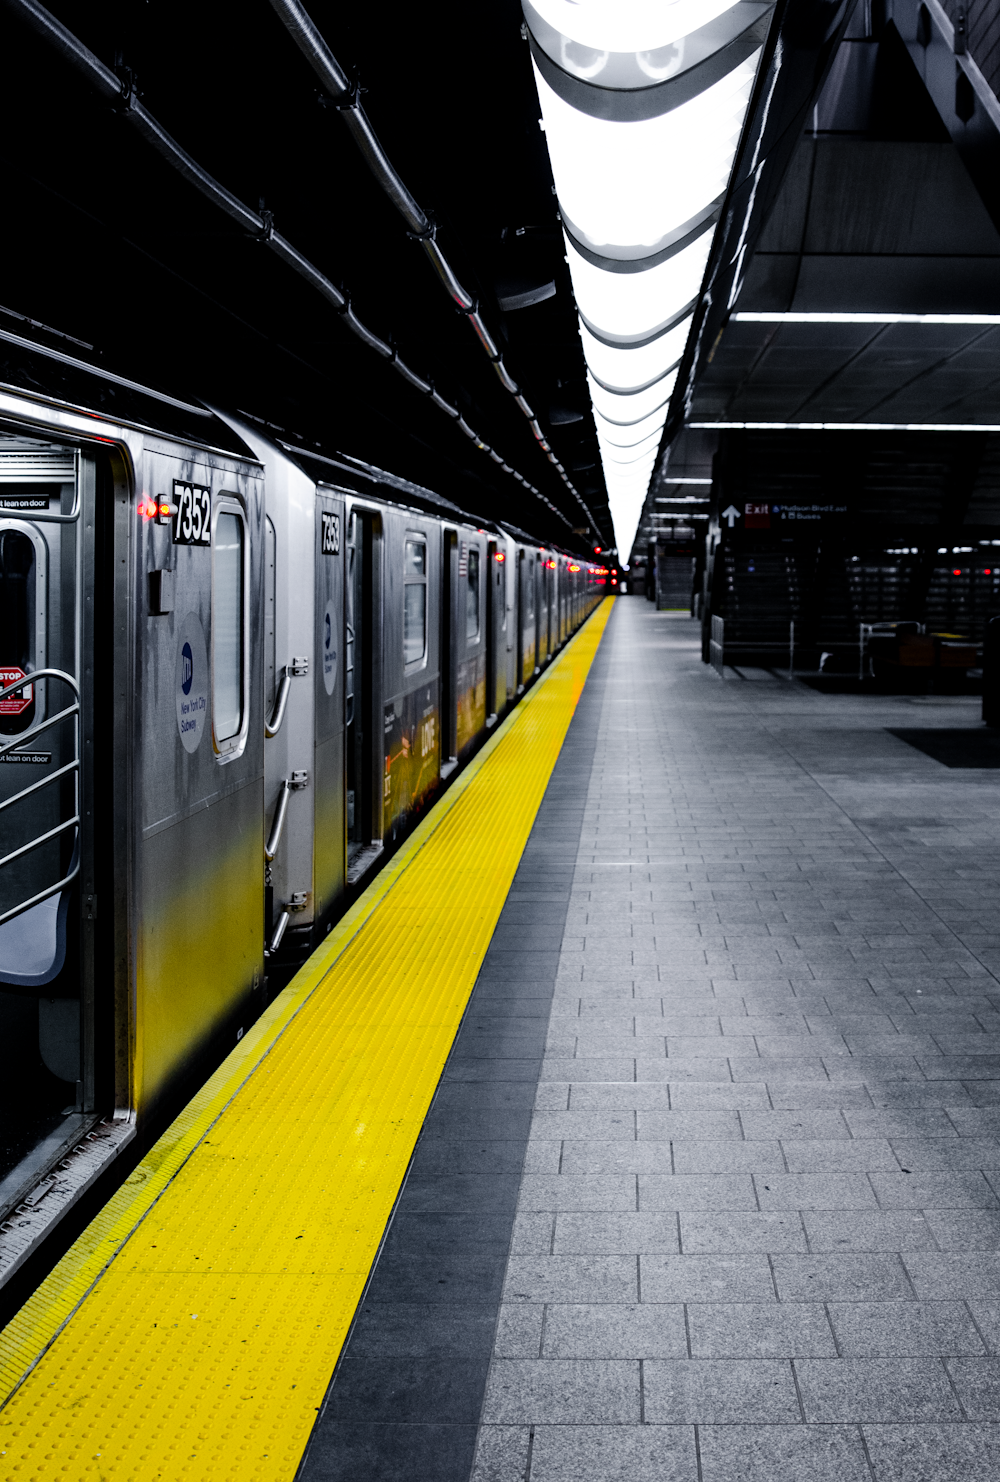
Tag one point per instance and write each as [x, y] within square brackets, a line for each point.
[631, 494]
[625, 457]
[634, 367]
[748, 317]
[604, 170]
[632, 306]
[642, 123]
[666, 479]
[629, 25]
[631, 477]
[845, 426]
[635, 479]
[627, 408]
[630, 437]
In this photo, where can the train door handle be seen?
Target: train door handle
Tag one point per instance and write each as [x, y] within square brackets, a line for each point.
[297, 666]
[289, 785]
[298, 902]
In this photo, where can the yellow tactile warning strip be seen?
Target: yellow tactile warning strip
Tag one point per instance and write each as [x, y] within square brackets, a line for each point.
[192, 1329]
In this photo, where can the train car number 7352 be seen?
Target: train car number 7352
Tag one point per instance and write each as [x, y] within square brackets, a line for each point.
[192, 514]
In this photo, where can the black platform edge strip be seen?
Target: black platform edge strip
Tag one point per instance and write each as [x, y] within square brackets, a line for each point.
[405, 1401]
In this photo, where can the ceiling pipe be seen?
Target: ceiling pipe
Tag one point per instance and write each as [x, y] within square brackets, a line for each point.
[122, 97]
[344, 94]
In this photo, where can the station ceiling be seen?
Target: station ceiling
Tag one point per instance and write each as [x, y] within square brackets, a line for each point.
[114, 249]
[865, 184]
[856, 297]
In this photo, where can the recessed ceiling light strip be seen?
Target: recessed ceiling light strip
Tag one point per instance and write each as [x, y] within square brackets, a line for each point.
[770, 317]
[845, 427]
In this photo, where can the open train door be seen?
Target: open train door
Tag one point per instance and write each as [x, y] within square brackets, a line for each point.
[54, 594]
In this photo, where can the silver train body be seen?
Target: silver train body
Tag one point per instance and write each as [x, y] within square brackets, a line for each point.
[233, 674]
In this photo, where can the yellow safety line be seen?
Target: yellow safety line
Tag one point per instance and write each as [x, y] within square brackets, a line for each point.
[192, 1329]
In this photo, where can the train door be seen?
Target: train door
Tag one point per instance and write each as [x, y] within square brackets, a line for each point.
[541, 586]
[545, 610]
[49, 533]
[521, 617]
[330, 834]
[449, 652]
[530, 584]
[197, 758]
[468, 644]
[527, 591]
[561, 598]
[289, 713]
[510, 647]
[494, 630]
[362, 666]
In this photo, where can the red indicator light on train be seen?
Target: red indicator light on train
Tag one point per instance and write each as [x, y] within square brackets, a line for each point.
[987, 572]
[147, 507]
[574, 568]
[956, 572]
[499, 558]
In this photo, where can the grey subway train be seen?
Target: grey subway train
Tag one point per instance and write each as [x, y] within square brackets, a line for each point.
[233, 674]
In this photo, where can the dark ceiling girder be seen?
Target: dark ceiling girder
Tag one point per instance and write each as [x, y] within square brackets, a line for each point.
[936, 50]
[799, 50]
[943, 63]
[878, 214]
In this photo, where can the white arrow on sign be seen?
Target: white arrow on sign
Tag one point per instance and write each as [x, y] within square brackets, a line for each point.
[731, 514]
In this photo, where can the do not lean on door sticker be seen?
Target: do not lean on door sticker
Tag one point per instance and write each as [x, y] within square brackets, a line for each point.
[329, 638]
[18, 700]
[191, 682]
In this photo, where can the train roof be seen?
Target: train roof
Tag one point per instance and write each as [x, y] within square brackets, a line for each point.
[359, 477]
[54, 376]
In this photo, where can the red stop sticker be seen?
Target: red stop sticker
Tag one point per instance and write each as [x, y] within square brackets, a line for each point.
[20, 700]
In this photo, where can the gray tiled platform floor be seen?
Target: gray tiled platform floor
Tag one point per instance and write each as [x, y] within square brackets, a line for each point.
[758, 1236]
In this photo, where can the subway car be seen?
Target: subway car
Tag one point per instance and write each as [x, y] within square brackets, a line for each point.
[233, 674]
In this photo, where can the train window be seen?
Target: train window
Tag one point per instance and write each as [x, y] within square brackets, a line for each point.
[472, 595]
[228, 627]
[17, 627]
[414, 601]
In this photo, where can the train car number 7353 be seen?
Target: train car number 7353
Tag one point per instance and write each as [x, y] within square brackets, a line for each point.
[192, 514]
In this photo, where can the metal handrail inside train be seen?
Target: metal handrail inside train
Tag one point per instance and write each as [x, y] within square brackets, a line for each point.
[19, 744]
